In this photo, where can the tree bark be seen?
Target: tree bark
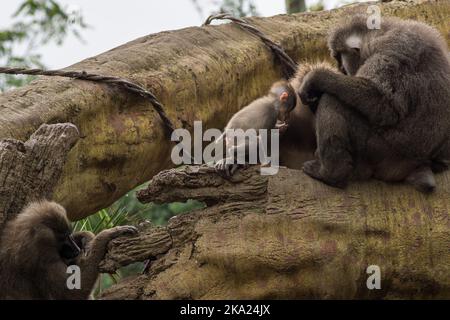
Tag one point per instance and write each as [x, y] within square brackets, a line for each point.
[295, 6]
[29, 171]
[199, 73]
[288, 236]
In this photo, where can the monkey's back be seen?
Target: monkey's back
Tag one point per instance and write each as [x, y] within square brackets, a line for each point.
[410, 64]
[260, 114]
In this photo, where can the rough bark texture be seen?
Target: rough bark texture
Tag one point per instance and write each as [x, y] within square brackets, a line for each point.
[288, 236]
[30, 171]
[284, 236]
[199, 73]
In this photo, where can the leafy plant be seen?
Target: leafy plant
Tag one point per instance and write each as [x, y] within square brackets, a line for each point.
[239, 8]
[37, 23]
[128, 210]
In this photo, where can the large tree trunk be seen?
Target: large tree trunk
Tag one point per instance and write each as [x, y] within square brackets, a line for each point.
[288, 236]
[283, 236]
[199, 73]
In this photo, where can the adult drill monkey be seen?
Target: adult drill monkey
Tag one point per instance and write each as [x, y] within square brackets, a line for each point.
[38, 246]
[387, 114]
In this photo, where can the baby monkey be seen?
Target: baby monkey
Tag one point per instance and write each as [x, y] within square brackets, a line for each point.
[268, 112]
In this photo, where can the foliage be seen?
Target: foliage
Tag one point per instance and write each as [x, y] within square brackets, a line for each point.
[128, 210]
[317, 6]
[37, 23]
[239, 8]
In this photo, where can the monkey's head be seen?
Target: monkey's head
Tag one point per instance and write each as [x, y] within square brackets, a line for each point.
[348, 43]
[303, 69]
[285, 99]
[46, 227]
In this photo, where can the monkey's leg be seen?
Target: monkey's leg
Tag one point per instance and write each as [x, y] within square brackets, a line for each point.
[422, 179]
[335, 148]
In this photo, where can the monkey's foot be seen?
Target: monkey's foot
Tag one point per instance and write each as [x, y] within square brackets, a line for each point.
[226, 169]
[422, 179]
[313, 169]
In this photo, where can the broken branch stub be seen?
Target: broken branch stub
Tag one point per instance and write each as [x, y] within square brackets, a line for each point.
[295, 238]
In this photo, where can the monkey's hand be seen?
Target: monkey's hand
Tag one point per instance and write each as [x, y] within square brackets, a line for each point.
[225, 169]
[310, 90]
[281, 126]
[116, 232]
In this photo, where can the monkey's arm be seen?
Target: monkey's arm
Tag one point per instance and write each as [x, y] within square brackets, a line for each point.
[96, 251]
[358, 93]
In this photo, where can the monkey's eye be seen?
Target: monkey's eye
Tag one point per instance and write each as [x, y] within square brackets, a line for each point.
[284, 96]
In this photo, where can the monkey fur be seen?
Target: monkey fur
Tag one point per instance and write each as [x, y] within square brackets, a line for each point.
[38, 246]
[268, 112]
[298, 142]
[387, 113]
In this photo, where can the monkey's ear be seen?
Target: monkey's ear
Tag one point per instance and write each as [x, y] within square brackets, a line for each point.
[284, 96]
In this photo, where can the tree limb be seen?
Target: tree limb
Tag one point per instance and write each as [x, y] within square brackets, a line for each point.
[199, 73]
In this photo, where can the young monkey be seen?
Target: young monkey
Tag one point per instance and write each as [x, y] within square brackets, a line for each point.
[268, 112]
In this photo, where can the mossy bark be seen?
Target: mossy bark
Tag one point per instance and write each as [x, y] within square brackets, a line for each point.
[199, 73]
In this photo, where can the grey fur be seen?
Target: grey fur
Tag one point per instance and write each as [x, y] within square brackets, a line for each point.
[388, 115]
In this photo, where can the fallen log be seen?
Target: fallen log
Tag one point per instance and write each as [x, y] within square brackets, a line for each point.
[288, 236]
[199, 73]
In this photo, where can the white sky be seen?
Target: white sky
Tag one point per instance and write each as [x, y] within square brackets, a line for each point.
[115, 22]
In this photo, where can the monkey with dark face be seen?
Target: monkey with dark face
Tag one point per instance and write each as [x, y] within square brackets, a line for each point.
[388, 112]
[269, 112]
[38, 246]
